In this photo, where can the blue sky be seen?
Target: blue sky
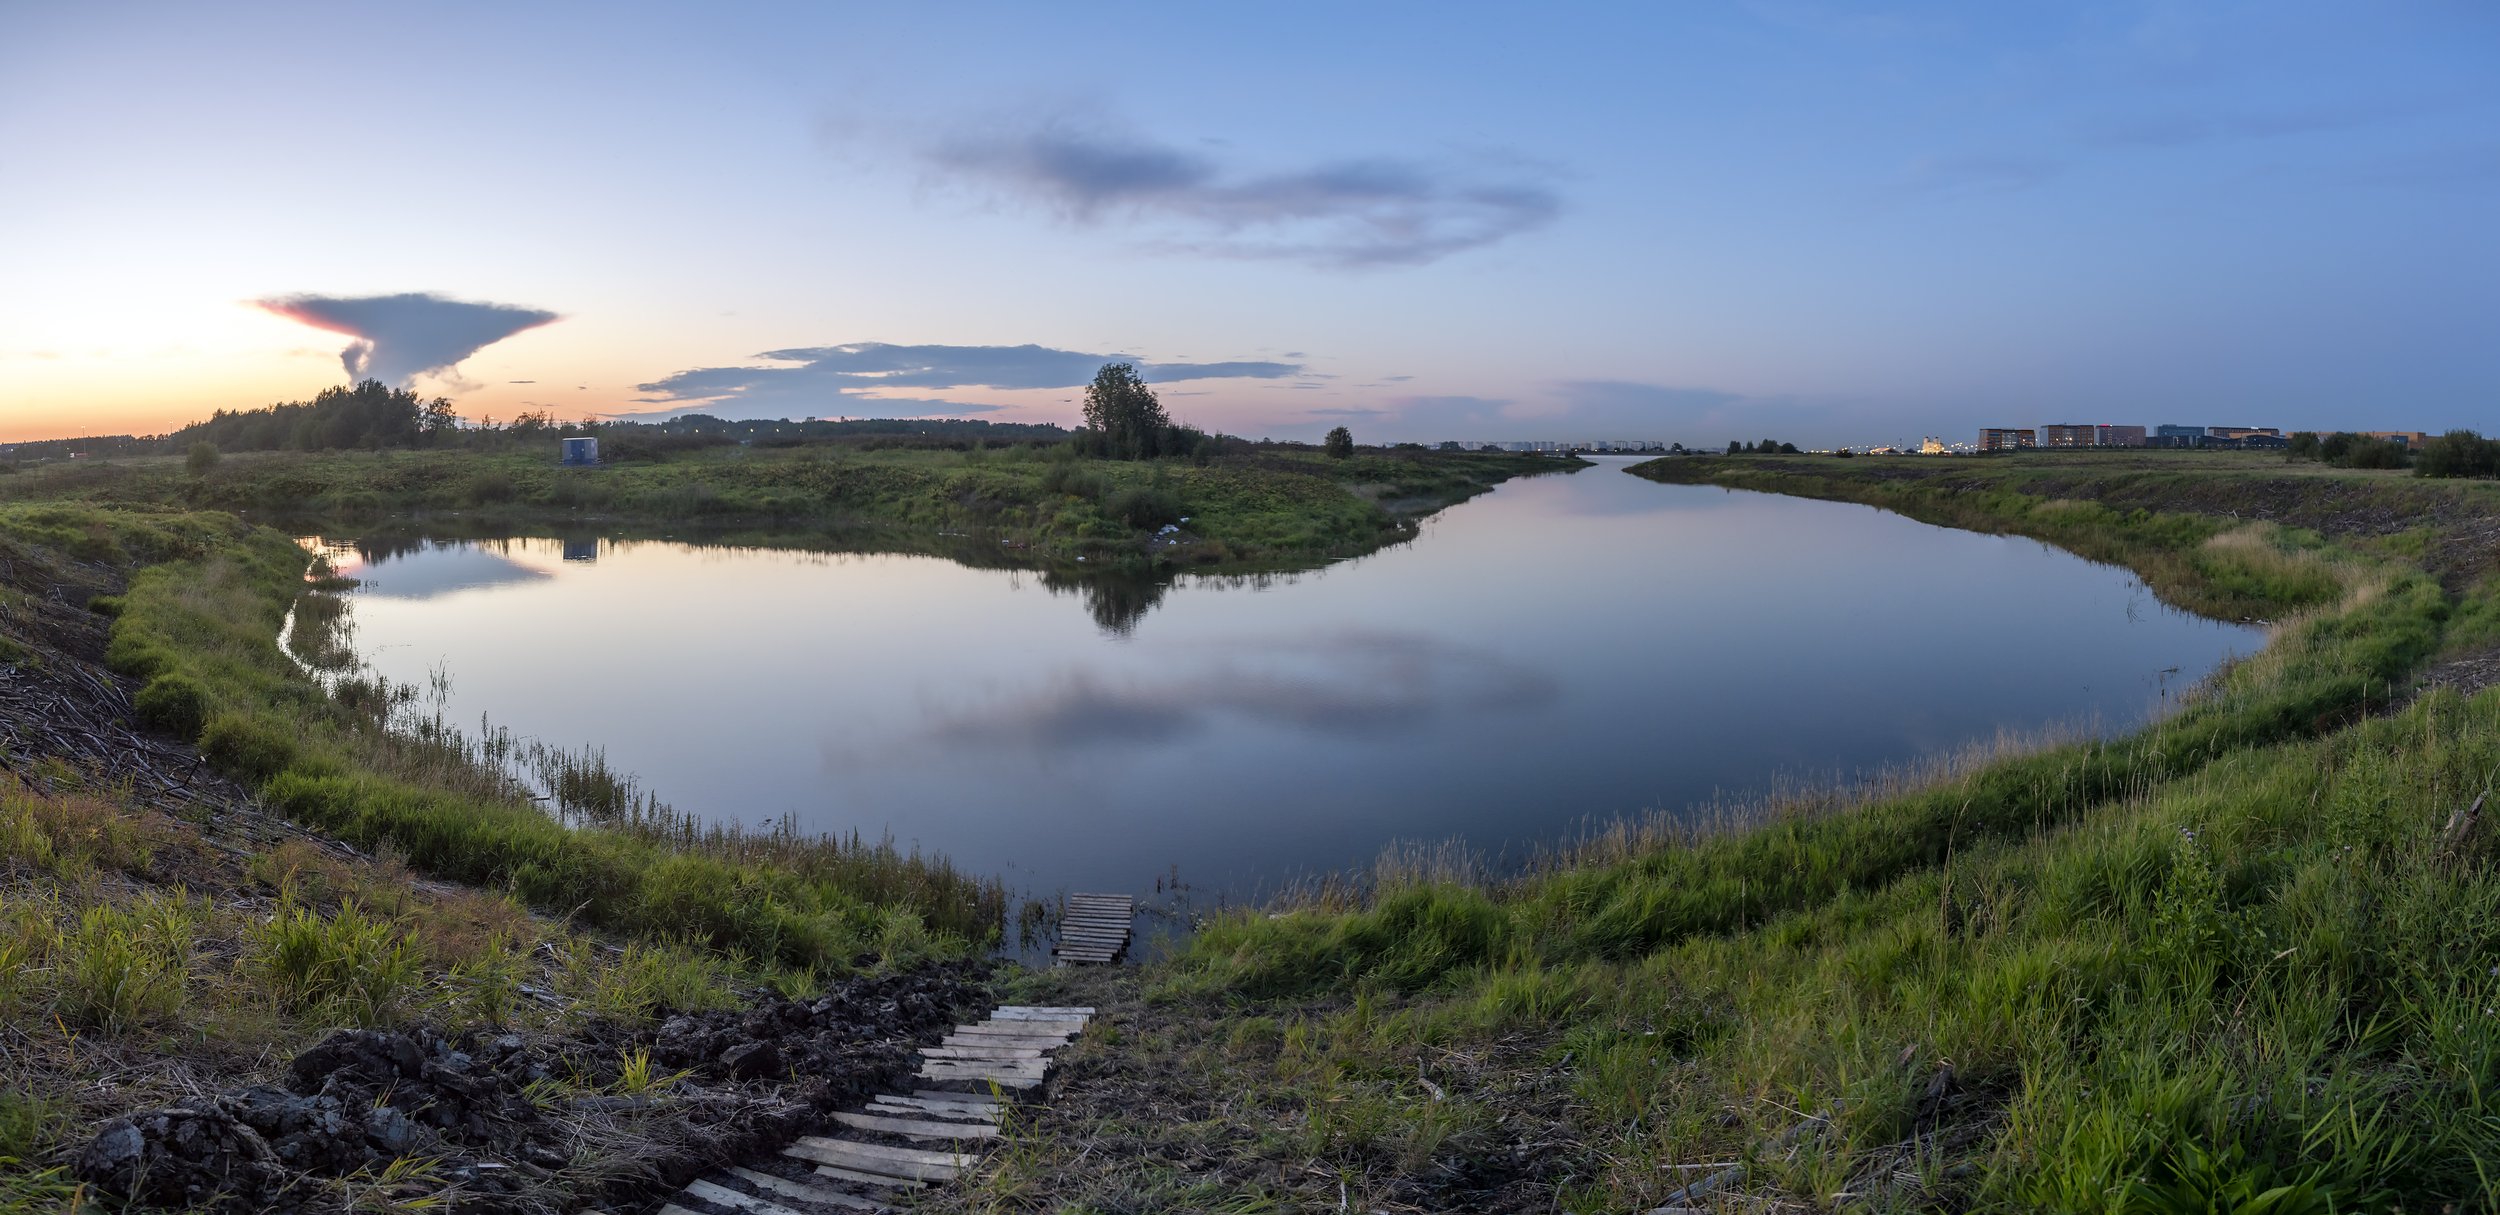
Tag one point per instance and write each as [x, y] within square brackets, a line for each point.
[1831, 223]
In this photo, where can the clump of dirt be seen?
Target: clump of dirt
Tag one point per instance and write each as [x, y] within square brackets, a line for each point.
[506, 1124]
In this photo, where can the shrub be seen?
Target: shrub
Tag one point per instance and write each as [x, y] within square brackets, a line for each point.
[174, 704]
[490, 486]
[246, 748]
[356, 967]
[124, 966]
[1339, 444]
[1143, 506]
[203, 457]
[2459, 453]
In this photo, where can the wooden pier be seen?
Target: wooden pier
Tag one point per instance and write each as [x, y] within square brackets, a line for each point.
[1094, 929]
[901, 1141]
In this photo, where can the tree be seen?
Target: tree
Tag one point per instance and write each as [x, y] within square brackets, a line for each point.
[1339, 443]
[202, 458]
[1735, 448]
[2304, 446]
[1124, 415]
[2459, 453]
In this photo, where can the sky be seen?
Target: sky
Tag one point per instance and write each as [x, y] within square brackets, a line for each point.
[1828, 223]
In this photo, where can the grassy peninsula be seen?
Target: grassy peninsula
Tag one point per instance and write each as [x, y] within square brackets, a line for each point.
[2244, 959]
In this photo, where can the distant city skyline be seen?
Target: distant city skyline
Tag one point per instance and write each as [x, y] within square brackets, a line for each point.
[1823, 223]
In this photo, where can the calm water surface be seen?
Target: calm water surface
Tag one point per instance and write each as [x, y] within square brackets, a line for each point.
[1564, 648]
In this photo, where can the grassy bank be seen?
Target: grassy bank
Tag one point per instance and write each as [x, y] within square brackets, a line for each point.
[2243, 959]
[1251, 507]
[164, 934]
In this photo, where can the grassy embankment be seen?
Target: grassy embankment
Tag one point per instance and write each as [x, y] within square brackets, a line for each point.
[147, 924]
[2251, 950]
[1254, 507]
[162, 934]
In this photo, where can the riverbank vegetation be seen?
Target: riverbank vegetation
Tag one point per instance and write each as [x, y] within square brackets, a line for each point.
[2242, 959]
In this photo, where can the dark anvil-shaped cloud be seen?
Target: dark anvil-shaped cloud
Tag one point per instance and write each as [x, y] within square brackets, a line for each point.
[401, 337]
[822, 380]
[1373, 211]
[1365, 683]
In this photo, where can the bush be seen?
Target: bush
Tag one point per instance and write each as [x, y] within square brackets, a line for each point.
[124, 966]
[245, 748]
[203, 457]
[352, 965]
[1145, 506]
[490, 486]
[2459, 453]
[1339, 444]
[174, 704]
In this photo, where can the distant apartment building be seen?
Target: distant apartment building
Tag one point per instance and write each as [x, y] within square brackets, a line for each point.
[2237, 433]
[2118, 436]
[2007, 438]
[2178, 436]
[2055, 435]
[2412, 439]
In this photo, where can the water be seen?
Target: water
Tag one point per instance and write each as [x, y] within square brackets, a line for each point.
[1563, 649]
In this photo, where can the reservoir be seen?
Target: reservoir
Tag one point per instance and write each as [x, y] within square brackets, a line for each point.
[1563, 651]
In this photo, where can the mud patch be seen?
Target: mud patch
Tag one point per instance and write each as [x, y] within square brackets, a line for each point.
[502, 1123]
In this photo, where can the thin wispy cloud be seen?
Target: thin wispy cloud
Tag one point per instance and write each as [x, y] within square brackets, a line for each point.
[1356, 213]
[850, 378]
[401, 337]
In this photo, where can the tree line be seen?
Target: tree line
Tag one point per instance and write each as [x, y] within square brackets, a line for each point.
[2458, 453]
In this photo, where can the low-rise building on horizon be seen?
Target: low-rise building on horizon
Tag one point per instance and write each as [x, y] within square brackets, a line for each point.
[2007, 438]
[2118, 436]
[2061, 434]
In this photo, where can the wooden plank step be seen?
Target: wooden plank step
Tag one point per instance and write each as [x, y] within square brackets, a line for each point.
[805, 1192]
[1002, 1040]
[820, 1151]
[953, 1103]
[1033, 1063]
[1030, 1012]
[1108, 900]
[1011, 1083]
[1092, 920]
[899, 1161]
[1069, 932]
[982, 1052]
[925, 1110]
[986, 1069]
[1087, 955]
[724, 1196]
[856, 1177]
[1023, 1027]
[912, 1128]
[926, 1094]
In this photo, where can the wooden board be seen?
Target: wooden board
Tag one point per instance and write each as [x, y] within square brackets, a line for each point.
[891, 1109]
[982, 1052]
[1024, 1027]
[724, 1196]
[873, 1158]
[840, 1173]
[1002, 1040]
[805, 1192]
[927, 1094]
[1025, 1012]
[912, 1128]
[953, 1104]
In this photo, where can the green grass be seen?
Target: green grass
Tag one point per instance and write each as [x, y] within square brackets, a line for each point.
[1254, 507]
[2234, 961]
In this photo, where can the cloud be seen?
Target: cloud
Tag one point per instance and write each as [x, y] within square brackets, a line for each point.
[1358, 683]
[1358, 213]
[1978, 173]
[401, 337]
[821, 380]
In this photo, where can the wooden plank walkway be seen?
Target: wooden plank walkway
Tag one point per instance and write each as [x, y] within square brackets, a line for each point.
[1094, 929]
[903, 1140]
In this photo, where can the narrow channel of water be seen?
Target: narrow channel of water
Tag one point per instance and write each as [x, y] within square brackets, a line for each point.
[1565, 648]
